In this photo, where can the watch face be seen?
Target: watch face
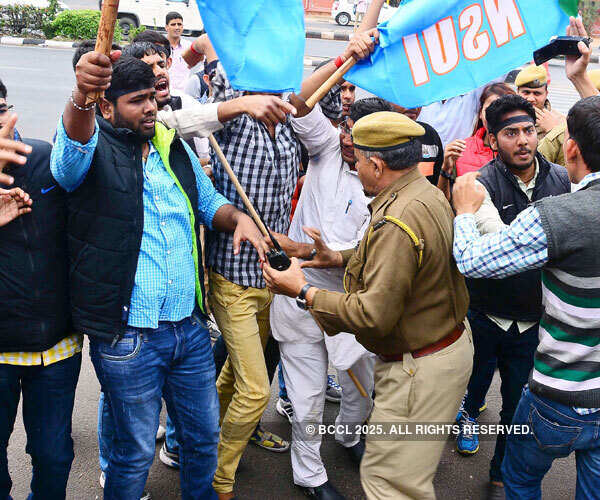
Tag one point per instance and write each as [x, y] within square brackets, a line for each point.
[301, 303]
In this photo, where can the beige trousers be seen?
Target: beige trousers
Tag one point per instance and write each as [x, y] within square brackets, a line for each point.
[413, 391]
[242, 314]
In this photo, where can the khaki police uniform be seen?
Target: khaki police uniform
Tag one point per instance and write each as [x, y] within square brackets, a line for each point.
[534, 77]
[551, 146]
[406, 301]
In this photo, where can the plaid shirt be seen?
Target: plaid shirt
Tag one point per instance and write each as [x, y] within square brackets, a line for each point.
[267, 170]
[519, 247]
[67, 347]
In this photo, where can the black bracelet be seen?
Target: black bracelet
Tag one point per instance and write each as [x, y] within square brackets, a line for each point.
[446, 175]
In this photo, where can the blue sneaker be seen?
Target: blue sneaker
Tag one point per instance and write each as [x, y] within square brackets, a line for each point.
[467, 441]
[334, 390]
[462, 409]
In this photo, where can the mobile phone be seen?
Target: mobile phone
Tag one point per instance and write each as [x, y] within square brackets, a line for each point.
[560, 46]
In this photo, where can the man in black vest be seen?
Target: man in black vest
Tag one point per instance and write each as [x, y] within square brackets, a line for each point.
[504, 314]
[40, 356]
[137, 195]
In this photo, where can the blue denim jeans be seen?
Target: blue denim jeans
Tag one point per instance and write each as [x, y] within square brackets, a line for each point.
[174, 361]
[48, 398]
[513, 352]
[556, 431]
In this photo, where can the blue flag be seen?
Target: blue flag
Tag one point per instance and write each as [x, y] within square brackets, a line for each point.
[436, 49]
[259, 42]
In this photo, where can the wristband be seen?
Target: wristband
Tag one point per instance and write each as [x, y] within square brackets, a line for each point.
[446, 175]
[195, 51]
[338, 62]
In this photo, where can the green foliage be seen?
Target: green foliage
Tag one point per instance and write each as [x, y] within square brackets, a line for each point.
[80, 25]
[589, 13]
[133, 32]
[26, 19]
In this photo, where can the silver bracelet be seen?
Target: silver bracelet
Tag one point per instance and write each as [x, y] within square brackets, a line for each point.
[81, 108]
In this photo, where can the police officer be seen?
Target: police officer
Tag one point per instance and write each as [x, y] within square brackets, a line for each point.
[405, 301]
[551, 146]
[532, 85]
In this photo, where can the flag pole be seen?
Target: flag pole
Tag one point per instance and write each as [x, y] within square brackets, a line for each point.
[104, 39]
[330, 82]
[238, 186]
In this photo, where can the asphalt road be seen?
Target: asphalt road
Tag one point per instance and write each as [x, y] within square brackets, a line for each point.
[39, 81]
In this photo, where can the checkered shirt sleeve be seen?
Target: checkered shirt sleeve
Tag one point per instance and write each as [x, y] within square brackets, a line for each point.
[70, 160]
[67, 347]
[268, 171]
[519, 247]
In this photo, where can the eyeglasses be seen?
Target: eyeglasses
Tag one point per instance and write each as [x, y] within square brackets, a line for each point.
[344, 128]
[5, 109]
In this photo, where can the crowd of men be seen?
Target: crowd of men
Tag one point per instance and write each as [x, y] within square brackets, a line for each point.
[429, 247]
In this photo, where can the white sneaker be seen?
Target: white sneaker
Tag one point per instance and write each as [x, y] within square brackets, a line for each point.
[168, 457]
[285, 409]
[161, 433]
[102, 480]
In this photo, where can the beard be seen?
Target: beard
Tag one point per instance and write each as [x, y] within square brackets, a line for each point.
[508, 161]
[140, 135]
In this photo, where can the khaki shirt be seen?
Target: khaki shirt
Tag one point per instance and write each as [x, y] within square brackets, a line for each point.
[403, 291]
[551, 146]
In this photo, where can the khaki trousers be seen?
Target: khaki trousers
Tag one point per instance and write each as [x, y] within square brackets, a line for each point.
[242, 314]
[423, 390]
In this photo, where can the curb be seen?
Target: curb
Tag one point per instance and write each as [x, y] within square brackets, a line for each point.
[341, 36]
[313, 62]
[39, 42]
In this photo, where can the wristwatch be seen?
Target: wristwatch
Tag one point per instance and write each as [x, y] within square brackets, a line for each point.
[301, 298]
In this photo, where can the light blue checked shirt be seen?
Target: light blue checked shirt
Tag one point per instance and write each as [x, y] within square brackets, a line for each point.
[519, 247]
[164, 288]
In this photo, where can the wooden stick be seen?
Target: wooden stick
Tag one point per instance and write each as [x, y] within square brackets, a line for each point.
[104, 40]
[330, 82]
[357, 383]
[238, 186]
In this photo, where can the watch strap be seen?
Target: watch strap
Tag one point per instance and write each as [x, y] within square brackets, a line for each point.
[304, 291]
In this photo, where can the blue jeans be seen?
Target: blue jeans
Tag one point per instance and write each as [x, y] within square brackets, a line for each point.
[556, 431]
[174, 361]
[48, 398]
[282, 389]
[513, 352]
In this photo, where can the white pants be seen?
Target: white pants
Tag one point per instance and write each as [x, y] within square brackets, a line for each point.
[305, 373]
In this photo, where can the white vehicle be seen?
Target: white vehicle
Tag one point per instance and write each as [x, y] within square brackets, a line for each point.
[343, 11]
[152, 13]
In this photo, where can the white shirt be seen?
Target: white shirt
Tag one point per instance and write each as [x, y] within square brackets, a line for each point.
[488, 220]
[179, 72]
[456, 117]
[333, 202]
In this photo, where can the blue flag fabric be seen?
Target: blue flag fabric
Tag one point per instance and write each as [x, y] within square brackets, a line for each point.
[436, 49]
[259, 42]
